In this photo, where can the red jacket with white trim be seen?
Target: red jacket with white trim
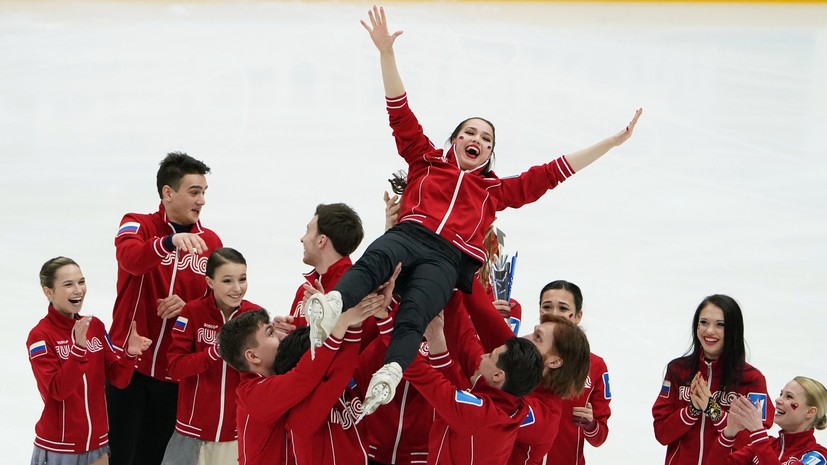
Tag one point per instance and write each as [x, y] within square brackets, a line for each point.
[690, 440]
[321, 429]
[568, 447]
[328, 280]
[456, 204]
[72, 382]
[146, 272]
[476, 427]
[262, 403]
[787, 449]
[206, 384]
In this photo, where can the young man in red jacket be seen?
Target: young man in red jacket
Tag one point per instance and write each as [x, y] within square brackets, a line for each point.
[334, 232]
[161, 261]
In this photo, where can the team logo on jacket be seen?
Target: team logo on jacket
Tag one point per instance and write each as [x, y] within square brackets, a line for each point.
[607, 392]
[723, 398]
[299, 311]
[130, 227]
[37, 349]
[424, 349]
[63, 351]
[755, 398]
[465, 397]
[346, 412]
[588, 384]
[181, 324]
[207, 335]
[197, 263]
[529, 419]
[811, 458]
[94, 345]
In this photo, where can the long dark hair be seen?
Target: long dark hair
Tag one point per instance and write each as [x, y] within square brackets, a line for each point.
[733, 357]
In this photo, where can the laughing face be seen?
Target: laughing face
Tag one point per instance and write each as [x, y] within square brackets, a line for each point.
[68, 290]
[710, 331]
[792, 413]
[473, 143]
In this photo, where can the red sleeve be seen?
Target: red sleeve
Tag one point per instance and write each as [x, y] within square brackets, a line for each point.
[671, 414]
[372, 356]
[119, 369]
[755, 385]
[277, 394]
[465, 418]
[461, 337]
[310, 414]
[411, 142]
[182, 356]
[759, 451]
[492, 329]
[597, 433]
[445, 365]
[532, 184]
[138, 252]
[55, 379]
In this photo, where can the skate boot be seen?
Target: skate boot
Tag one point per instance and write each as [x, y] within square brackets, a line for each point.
[382, 388]
[322, 312]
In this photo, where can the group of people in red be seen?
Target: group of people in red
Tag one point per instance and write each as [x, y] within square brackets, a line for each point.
[403, 357]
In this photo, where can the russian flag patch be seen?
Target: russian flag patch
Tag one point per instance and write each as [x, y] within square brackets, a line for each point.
[180, 324]
[129, 227]
[463, 397]
[664, 390]
[37, 349]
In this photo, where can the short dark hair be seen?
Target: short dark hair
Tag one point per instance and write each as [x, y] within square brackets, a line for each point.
[572, 288]
[174, 167]
[291, 350]
[238, 335]
[523, 366]
[342, 225]
[221, 256]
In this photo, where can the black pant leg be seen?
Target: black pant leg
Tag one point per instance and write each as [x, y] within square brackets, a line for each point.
[126, 411]
[159, 422]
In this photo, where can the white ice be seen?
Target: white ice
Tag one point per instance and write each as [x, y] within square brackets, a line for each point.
[720, 190]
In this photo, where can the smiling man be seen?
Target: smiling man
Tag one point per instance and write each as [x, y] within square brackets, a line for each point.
[161, 262]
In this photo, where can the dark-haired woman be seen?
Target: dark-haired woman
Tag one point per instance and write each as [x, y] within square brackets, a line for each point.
[450, 199]
[700, 386]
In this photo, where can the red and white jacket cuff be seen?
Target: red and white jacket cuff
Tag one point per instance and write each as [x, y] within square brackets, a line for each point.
[439, 360]
[333, 343]
[353, 335]
[758, 436]
[385, 325]
[688, 419]
[396, 103]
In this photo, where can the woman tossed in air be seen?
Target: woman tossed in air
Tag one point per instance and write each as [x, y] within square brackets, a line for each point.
[450, 199]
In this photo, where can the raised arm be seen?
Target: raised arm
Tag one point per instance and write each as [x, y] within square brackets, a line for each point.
[584, 157]
[378, 30]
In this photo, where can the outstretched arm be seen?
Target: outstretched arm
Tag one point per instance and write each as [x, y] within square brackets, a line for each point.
[378, 30]
[584, 157]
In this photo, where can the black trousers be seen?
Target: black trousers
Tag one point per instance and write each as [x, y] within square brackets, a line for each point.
[141, 420]
[431, 269]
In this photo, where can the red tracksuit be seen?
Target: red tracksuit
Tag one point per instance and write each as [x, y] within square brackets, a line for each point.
[787, 449]
[328, 280]
[263, 402]
[460, 205]
[689, 440]
[206, 384]
[540, 429]
[321, 429]
[71, 382]
[476, 427]
[146, 272]
[568, 447]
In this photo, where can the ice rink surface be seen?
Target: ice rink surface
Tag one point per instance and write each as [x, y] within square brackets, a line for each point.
[720, 190]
